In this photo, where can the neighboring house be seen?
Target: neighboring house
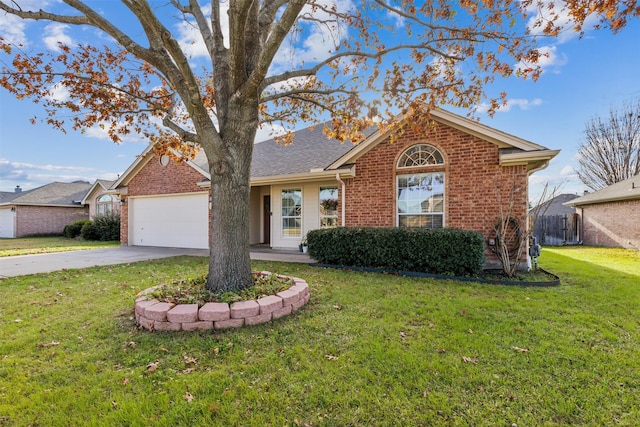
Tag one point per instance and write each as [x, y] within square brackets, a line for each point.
[459, 175]
[99, 201]
[43, 210]
[557, 223]
[611, 216]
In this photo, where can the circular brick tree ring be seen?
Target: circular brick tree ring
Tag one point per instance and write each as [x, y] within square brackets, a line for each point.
[155, 315]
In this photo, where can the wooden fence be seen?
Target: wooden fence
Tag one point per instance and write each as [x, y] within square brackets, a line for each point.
[555, 230]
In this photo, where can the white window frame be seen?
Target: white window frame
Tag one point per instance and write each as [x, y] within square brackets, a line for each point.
[420, 155]
[323, 214]
[289, 217]
[106, 205]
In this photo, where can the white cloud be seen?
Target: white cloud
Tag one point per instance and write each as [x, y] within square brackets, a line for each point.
[568, 170]
[13, 29]
[549, 59]
[190, 38]
[59, 93]
[523, 104]
[545, 10]
[316, 40]
[54, 34]
[30, 175]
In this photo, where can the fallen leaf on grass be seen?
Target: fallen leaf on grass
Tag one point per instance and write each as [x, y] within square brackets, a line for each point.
[473, 360]
[337, 307]
[331, 357]
[403, 335]
[131, 344]
[125, 381]
[520, 350]
[441, 351]
[49, 344]
[431, 325]
[188, 397]
[152, 367]
[188, 360]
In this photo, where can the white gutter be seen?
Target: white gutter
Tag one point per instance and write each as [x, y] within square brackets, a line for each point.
[343, 212]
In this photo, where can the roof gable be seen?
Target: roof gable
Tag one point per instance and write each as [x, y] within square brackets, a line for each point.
[99, 186]
[514, 150]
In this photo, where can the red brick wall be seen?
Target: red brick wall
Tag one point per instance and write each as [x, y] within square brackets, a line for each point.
[152, 179]
[475, 184]
[615, 224]
[37, 220]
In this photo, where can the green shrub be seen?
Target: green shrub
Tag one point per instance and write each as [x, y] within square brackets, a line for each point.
[74, 229]
[107, 227]
[89, 232]
[440, 251]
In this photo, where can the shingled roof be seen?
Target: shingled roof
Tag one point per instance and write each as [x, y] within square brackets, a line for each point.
[310, 150]
[54, 194]
[629, 189]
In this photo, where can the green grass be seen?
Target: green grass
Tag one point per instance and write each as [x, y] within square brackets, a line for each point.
[368, 349]
[41, 245]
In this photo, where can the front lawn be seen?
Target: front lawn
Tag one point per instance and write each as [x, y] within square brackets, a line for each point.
[41, 245]
[368, 349]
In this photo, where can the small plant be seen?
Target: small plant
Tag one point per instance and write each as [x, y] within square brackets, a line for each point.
[193, 290]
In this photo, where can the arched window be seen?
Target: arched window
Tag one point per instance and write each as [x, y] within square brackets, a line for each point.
[420, 196]
[420, 155]
[104, 204]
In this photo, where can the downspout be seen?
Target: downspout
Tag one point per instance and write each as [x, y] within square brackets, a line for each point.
[342, 201]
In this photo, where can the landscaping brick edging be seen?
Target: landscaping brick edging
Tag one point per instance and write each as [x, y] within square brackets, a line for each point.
[155, 315]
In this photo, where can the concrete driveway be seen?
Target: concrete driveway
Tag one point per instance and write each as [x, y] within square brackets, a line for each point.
[44, 263]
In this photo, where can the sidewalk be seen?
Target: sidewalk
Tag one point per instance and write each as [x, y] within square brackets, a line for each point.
[44, 263]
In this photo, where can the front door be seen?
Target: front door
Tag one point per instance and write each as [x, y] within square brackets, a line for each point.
[266, 220]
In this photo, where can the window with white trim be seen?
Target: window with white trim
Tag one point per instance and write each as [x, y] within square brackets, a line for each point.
[420, 155]
[105, 204]
[291, 213]
[328, 207]
[421, 200]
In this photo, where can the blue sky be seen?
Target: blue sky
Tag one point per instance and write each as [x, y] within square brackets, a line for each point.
[582, 78]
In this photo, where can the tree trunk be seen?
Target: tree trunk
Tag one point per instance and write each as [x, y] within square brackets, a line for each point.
[229, 257]
[229, 261]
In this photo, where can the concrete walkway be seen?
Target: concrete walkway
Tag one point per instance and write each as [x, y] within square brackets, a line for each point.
[44, 263]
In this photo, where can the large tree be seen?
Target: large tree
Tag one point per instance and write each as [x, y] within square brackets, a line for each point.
[371, 59]
[610, 150]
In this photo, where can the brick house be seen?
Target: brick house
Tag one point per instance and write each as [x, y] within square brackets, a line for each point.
[44, 210]
[460, 174]
[611, 216]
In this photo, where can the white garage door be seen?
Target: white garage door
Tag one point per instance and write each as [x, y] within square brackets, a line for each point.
[169, 221]
[7, 222]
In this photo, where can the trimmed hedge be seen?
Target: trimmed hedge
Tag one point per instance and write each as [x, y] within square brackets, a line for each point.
[440, 251]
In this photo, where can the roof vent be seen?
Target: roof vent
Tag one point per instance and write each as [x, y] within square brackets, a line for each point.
[18, 189]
